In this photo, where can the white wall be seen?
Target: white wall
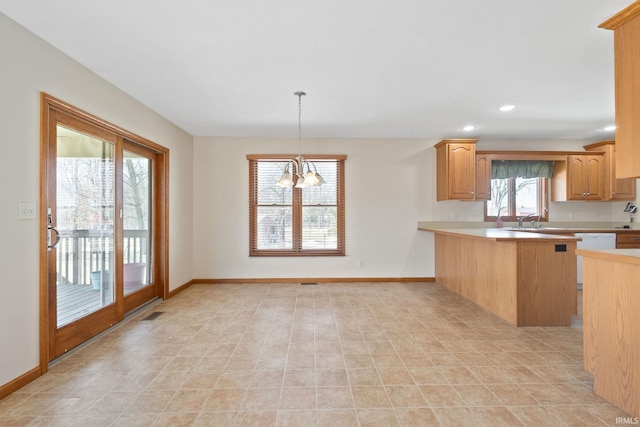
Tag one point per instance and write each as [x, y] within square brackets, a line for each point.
[390, 186]
[28, 66]
[382, 209]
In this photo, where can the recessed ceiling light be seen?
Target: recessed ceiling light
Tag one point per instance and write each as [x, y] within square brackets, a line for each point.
[609, 128]
[468, 128]
[507, 108]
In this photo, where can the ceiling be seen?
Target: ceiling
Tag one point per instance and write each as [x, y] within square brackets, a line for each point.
[370, 68]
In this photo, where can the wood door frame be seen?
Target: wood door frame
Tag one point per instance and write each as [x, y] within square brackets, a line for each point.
[160, 232]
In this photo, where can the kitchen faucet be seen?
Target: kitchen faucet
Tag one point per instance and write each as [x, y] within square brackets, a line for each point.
[522, 218]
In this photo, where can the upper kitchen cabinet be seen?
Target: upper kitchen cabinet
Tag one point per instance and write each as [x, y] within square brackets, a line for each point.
[456, 165]
[614, 189]
[626, 42]
[483, 177]
[581, 177]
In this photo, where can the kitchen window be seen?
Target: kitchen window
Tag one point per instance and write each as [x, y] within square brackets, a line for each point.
[519, 188]
[293, 221]
[513, 198]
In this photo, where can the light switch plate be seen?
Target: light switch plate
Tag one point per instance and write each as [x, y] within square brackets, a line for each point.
[27, 210]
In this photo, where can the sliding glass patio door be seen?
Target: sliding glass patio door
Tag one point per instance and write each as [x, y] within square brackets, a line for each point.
[101, 210]
[81, 228]
[137, 222]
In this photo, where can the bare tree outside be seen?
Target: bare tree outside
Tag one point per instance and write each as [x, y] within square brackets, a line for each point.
[513, 197]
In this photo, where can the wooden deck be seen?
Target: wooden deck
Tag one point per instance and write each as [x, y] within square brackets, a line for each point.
[75, 301]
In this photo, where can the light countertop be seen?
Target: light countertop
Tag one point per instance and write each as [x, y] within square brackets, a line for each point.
[498, 234]
[626, 256]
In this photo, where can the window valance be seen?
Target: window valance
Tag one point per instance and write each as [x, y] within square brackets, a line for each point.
[501, 169]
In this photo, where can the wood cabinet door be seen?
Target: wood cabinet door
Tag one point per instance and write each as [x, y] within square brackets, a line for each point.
[594, 177]
[462, 179]
[627, 67]
[483, 177]
[623, 188]
[585, 177]
[575, 178]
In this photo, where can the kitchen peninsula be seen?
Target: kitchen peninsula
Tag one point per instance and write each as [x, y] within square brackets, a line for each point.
[527, 279]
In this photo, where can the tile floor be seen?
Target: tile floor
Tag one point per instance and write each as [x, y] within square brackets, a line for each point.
[339, 354]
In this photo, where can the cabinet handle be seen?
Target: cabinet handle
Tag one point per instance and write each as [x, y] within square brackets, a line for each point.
[633, 238]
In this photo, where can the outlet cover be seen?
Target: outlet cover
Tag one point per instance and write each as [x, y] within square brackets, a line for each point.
[26, 210]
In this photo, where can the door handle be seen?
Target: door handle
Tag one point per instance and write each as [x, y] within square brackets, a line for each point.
[51, 228]
[49, 245]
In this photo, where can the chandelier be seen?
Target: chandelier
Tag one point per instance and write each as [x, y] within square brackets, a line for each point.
[299, 167]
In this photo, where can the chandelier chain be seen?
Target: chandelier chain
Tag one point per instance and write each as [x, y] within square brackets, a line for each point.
[300, 95]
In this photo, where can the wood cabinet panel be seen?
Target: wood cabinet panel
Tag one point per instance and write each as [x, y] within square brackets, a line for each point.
[456, 164]
[614, 188]
[581, 177]
[626, 41]
[628, 240]
[525, 281]
[483, 177]
[611, 325]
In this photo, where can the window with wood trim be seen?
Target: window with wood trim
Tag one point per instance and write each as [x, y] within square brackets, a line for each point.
[296, 221]
[514, 198]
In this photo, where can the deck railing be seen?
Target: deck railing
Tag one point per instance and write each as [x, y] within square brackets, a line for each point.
[81, 252]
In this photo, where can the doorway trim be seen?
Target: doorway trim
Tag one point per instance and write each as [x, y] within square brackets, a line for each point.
[48, 104]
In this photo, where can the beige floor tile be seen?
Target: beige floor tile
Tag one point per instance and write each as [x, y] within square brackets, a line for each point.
[300, 378]
[361, 377]
[377, 417]
[337, 354]
[386, 360]
[301, 361]
[216, 419]
[187, 401]
[267, 378]
[395, 376]
[331, 377]
[441, 396]
[577, 415]
[354, 347]
[242, 362]
[458, 375]
[405, 396]
[427, 375]
[334, 398]
[458, 416]
[296, 418]
[547, 394]
[150, 402]
[536, 416]
[370, 397]
[201, 380]
[113, 402]
[234, 379]
[224, 400]
[132, 420]
[337, 418]
[497, 416]
[297, 398]
[261, 399]
[416, 417]
[174, 420]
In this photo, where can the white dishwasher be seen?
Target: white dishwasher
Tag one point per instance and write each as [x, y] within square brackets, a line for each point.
[593, 241]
